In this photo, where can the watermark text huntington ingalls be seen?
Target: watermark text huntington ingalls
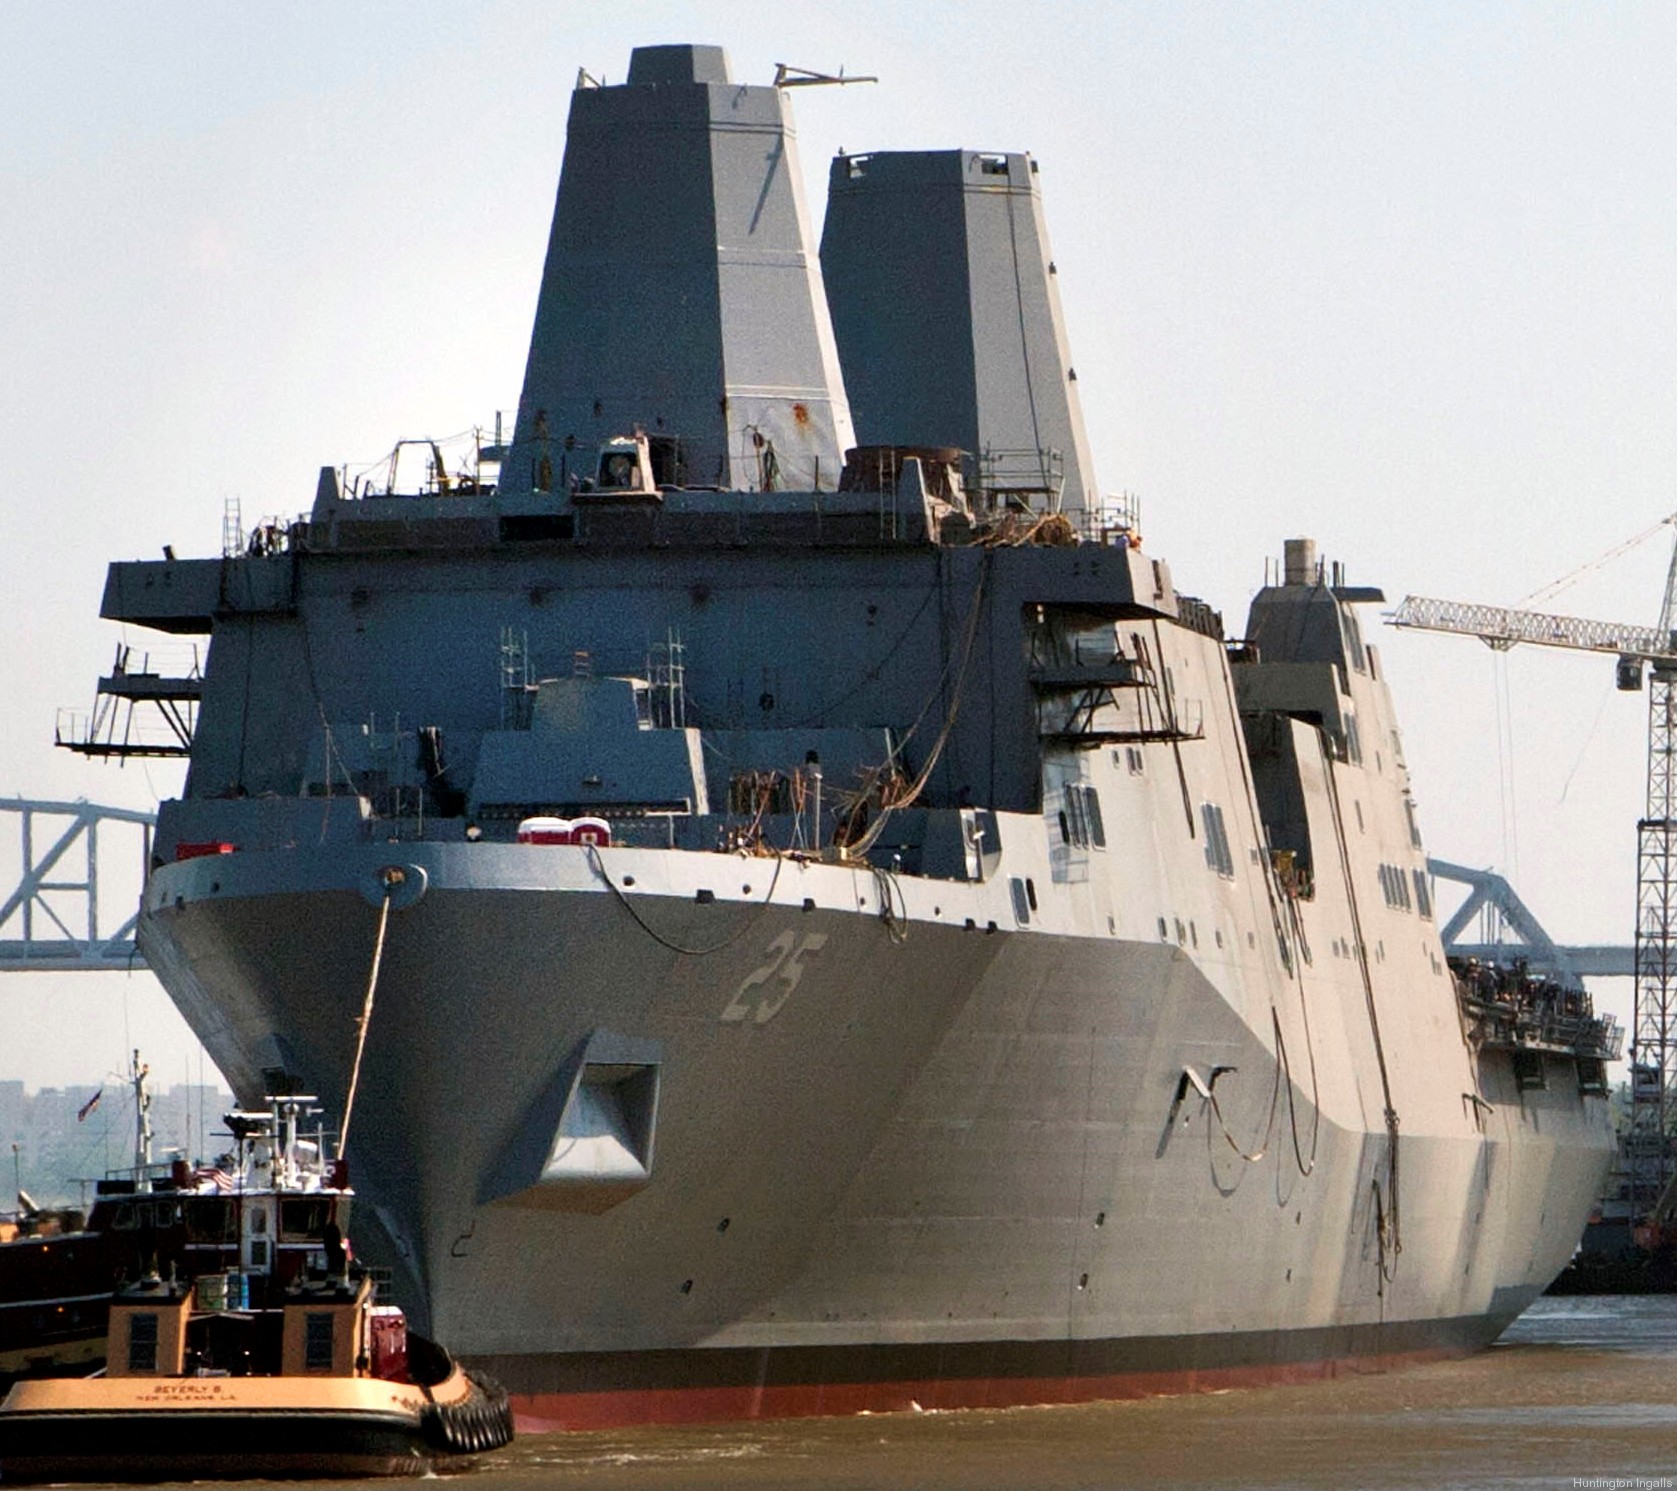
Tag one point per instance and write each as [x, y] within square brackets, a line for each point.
[1623, 1483]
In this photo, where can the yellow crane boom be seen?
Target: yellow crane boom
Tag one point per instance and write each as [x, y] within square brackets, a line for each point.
[1502, 627]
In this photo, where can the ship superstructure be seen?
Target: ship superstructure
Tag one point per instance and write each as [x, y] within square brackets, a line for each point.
[846, 930]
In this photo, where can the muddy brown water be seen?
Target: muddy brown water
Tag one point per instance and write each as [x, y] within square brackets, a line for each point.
[1580, 1394]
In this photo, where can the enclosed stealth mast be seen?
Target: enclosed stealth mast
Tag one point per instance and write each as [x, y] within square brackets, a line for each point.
[947, 309]
[680, 295]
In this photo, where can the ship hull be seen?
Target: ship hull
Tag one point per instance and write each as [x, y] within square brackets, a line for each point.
[997, 985]
[607, 1390]
[957, 1164]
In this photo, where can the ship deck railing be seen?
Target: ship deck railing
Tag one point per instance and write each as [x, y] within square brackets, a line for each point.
[1511, 1024]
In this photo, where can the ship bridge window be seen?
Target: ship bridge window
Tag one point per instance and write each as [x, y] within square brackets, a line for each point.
[1131, 760]
[317, 1341]
[142, 1341]
[1081, 824]
[1353, 634]
[1423, 894]
[1353, 740]
[1218, 855]
[1021, 903]
[619, 470]
[304, 1219]
[143, 1214]
[209, 1220]
[1394, 887]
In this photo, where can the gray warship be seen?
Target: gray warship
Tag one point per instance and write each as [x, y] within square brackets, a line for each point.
[834, 927]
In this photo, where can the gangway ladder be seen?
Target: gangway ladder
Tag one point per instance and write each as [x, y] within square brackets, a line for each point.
[232, 529]
[516, 686]
[666, 671]
[111, 729]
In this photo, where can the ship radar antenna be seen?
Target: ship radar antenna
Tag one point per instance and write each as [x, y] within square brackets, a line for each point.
[787, 76]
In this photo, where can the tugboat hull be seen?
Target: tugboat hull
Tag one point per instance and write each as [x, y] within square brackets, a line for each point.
[224, 1428]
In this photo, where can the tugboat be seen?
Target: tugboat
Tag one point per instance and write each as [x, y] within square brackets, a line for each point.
[325, 1383]
[240, 1341]
[258, 1220]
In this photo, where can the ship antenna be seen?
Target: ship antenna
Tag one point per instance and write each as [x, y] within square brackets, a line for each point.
[137, 1074]
[787, 76]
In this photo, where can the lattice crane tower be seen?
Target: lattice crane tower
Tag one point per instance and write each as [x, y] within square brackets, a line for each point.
[1639, 649]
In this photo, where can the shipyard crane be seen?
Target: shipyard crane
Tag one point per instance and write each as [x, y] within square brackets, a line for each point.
[1639, 650]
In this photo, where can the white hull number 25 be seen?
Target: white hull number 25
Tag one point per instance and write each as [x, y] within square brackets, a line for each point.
[767, 988]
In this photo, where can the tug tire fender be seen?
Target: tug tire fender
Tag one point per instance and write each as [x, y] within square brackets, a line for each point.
[478, 1423]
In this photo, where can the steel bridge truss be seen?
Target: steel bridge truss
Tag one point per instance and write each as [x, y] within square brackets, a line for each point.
[51, 919]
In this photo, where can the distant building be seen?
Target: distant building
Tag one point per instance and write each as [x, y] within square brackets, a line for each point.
[52, 1153]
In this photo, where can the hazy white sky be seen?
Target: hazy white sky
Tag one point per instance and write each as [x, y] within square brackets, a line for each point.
[1397, 277]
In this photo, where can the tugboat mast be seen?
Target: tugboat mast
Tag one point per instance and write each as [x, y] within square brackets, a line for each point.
[137, 1073]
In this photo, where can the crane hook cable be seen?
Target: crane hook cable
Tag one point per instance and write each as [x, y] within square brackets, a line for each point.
[1554, 587]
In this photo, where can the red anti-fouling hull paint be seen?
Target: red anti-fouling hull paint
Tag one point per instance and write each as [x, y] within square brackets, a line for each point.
[628, 1407]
